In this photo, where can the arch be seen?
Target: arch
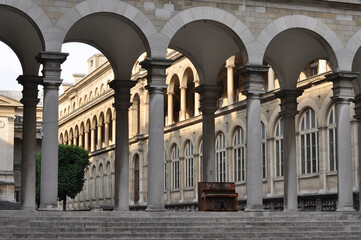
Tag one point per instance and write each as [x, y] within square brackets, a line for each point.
[101, 181]
[71, 136]
[216, 15]
[80, 102]
[127, 27]
[66, 137]
[353, 48]
[109, 180]
[277, 43]
[136, 177]
[96, 94]
[188, 83]
[85, 98]
[102, 88]
[301, 22]
[32, 21]
[91, 95]
[61, 138]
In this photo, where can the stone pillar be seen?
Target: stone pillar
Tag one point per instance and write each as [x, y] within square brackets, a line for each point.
[81, 140]
[253, 83]
[357, 102]
[28, 154]
[113, 130]
[170, 108]
[208, 107]
[156, 85]
[121, 105]
[230, 82]
[92, 139]
[49, 158]
[75, 140]
[197, 97]
[288, 112]
[271, 80]
[183, 105]
[99, 129]
[86, 140]
[106, 134]
[342, 95]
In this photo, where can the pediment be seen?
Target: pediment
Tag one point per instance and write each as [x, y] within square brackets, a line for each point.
[5, 101]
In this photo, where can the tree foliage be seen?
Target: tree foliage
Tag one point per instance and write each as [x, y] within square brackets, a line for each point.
[72, 162]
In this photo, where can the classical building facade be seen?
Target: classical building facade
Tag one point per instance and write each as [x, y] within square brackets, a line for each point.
[286, 35]
[87, 119]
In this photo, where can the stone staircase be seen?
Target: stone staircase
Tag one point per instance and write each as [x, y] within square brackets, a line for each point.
[179, 225]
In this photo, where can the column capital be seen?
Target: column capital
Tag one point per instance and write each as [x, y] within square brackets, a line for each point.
[288, 102]
[357, 101]
[342, 84]
[51, 65]
[253, 81]
[122, 93]
[208, 99]
[30, 89]
[156, 68]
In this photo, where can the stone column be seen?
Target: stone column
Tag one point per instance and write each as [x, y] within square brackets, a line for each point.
[230, 82]
[156, 85]
[357, 102]
[49, 158]
[28, 154]
[75, 140]
[271, 80]
[121, 105]
[197, 97]
[86, 140]
[92, 139]
[288, 112]
[342, 95]
[170, 108]
[99, 129]
[114, 128]
[208, 107]
[81, 140]
[106, 134]
[183, 105]
[253, 83]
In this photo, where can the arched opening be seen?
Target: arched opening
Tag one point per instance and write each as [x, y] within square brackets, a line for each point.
[136, 114]
[94, 133]
[188, 78]
[109, 123]
[101, 131]
[174, 100]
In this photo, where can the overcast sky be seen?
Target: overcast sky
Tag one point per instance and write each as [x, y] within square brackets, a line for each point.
[10, 67]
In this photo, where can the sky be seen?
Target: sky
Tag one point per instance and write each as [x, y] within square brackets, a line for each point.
[10, 67]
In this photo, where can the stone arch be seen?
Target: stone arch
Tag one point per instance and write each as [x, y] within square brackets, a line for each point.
[66, 137]
[61, 138]
[125, 24]
[303, 106]
[207, 13]
[32, 21]
[353, 48]
[187, 138]
[318, 37]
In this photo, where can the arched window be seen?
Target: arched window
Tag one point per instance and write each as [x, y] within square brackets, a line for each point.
[279, 148]
[309, 142]
[332, 140]
[101, 182]
[73, 107]
[175, 167]
[239, 155]
[136, 178]
[189, 165]
[109, 181]
[221, 157]
[88, 184]
[94, 184]
[264, 151]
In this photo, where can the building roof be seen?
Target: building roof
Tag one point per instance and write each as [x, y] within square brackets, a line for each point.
[18, 95]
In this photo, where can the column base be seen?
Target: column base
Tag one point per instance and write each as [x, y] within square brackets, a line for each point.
[290, 210]
[121, 209]
[49, 207]
[345, 209]
[258, 208]
[155, 209]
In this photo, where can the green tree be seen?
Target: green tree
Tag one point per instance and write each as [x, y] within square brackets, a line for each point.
[72, 162]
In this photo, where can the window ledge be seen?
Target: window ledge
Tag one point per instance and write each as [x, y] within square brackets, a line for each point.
[310, 175]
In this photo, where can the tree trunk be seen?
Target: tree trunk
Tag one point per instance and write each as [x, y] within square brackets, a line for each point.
[64, 204]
